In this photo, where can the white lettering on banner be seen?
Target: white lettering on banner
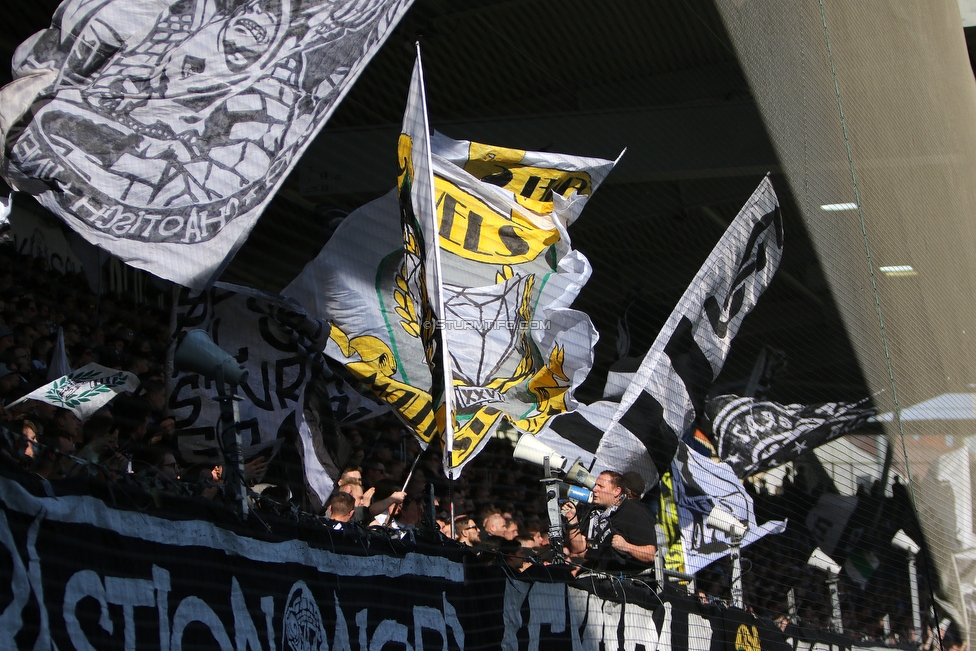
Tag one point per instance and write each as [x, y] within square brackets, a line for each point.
[547, 605]
[804, 645]
[267, 607]
[341, 640]
[427, 618]
[245, 632]
[162, 586]
[515, 592]
[389, 630]
[154, 591]
[11, 619]
[699, 633]
[195, 609]
[85, 583]
[302, 625]
[591, 620]
[129, 593]
[34, 575]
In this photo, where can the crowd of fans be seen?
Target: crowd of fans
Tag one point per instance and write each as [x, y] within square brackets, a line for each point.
[388, 482]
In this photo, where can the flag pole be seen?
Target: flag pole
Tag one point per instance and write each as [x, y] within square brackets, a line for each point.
[450, 500]
[444, 364]
[16, 402]
[410, 474]
[389, 520]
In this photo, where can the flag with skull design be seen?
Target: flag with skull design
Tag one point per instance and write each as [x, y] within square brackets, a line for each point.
[159, 130]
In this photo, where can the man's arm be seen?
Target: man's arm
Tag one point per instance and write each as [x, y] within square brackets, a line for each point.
[640, 553]
[378, 507]
[575, 540]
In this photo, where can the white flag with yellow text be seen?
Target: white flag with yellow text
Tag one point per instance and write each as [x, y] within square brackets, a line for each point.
[509, 274]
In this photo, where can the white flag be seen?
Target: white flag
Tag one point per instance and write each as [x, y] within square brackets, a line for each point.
[422, 284]
[167, 127]
[86, 390]
[700, 485]
[669, 389]
[59, 359]
[518, 351]
[274, 340]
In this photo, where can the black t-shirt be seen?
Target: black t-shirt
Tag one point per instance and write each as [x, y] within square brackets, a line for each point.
[635, 523]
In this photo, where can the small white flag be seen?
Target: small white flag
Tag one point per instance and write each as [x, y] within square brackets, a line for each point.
[6, 205]
[59, 360]
[86, 390]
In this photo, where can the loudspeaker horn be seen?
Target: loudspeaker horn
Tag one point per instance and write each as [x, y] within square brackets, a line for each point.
[725, 522]
[819, 560]
[532, 450]
[903, 542]
[198, 353]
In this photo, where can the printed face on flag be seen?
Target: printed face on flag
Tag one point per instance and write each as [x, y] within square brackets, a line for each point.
[168, 126]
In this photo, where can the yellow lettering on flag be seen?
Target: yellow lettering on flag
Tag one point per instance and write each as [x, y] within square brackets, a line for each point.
[533, 186]
[747, 639]
[405, 158]
[469, 436]
[471, 229]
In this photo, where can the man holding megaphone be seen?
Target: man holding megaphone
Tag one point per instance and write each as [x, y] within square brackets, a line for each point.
[618, 536]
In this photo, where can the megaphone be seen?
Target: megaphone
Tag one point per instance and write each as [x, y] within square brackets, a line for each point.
[577, 493]
[197, 353]
[727, 523]
[532, 450]
[820, 561]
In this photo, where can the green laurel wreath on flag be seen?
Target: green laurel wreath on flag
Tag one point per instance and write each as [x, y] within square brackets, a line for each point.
[64, 385]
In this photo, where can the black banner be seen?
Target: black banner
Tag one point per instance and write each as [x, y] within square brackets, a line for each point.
[84, 576]
[78, 574]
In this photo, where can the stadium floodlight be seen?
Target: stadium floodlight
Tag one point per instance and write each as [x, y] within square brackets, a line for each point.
[819, 560]
[906, 544]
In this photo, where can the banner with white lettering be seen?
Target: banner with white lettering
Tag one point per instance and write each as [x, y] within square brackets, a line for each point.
[79, 574]
[84, 576]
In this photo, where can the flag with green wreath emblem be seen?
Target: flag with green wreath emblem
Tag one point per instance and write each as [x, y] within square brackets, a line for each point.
[86, 390]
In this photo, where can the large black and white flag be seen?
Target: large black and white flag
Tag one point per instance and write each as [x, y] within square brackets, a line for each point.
[159, 130]
[670, 386]
[279, 344]
[757, 435]
[668, 390]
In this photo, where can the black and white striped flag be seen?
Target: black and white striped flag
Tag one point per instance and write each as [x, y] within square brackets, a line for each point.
[669, 388]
